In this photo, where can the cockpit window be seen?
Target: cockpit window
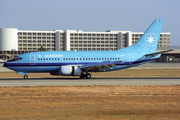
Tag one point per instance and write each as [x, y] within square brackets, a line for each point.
[16, 58]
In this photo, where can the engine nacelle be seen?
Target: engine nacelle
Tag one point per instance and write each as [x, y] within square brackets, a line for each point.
[68, 70]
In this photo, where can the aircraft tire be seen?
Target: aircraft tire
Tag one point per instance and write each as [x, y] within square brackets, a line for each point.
[25, 77]
[82, 76]
[88, 76]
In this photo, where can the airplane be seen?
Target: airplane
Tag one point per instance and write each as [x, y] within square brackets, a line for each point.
[81, 63]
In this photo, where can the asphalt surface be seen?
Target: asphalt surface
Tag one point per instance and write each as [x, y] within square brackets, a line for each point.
[97, 81]
[90, 82]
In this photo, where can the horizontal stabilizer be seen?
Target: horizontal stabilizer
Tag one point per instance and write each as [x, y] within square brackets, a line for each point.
[152, 54]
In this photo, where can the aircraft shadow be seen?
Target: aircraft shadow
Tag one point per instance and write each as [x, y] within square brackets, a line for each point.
[95, 78]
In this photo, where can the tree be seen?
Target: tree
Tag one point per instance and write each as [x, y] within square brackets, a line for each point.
[42, 49]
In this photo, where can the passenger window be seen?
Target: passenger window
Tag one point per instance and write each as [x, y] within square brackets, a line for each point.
[113, 58]
[49, 58]
[66, 58]
[99, 58]
[38, 59]
[102, 58]
[110, 58]
[94, 58]
[58, 58]
[86, 58]
[46, 58]
[107, 58]
[55, 59]
[83, 58]
[80, 58]
[91, 58]
[116, 58]
[69, 58]
[63, 58]
[41, 58]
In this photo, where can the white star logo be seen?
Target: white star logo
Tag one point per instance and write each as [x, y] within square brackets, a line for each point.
[150, 39]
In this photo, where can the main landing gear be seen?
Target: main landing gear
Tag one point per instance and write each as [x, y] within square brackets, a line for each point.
[25, 76]
[87, 75]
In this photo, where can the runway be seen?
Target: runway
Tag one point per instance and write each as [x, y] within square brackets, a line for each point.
[89, 82]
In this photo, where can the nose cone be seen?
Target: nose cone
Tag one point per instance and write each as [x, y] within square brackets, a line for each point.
[4, 64]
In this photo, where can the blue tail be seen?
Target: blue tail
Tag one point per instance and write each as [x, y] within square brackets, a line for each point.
[149, 40]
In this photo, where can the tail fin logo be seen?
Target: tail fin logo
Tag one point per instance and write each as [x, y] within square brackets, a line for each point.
[150, 39]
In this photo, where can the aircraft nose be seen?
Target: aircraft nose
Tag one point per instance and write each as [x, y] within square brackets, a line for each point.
[4, 64]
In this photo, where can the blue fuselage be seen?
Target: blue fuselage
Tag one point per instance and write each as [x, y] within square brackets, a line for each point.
[78, 62]
[50, 61]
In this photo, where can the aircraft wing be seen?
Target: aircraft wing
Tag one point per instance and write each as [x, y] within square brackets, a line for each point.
[152, 54]
[98, 66]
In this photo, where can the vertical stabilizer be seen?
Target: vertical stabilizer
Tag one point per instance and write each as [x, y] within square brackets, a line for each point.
[149, 40]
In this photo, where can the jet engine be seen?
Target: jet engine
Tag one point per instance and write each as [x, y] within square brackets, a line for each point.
[68, 70]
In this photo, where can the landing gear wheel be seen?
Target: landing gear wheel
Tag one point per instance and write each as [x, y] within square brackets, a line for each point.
[25, 77]
[82, 75]
[88, 76]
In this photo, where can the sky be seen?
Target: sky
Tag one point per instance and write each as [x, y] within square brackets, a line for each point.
[91, 15]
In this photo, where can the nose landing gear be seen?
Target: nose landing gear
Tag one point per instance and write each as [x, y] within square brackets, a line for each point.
[24, 73]
[25, 76]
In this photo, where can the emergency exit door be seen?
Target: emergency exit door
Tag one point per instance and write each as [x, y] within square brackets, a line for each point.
[32, 59]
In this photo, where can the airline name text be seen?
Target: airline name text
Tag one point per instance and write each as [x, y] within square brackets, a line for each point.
[58, 55]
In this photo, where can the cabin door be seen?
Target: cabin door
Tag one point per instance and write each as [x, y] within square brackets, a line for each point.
[131, 58]
[32, 59]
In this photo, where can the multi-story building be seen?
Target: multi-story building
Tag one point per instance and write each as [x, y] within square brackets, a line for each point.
[70, 40]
